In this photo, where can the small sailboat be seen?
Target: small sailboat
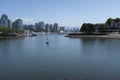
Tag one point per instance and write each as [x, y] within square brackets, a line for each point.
[47, 41]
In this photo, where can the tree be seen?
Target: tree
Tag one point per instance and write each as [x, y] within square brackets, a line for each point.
[5, 31]
[88, 28]
[117, 20]
[112, 20]
[109, 21]
[103, 28]
[83, 28]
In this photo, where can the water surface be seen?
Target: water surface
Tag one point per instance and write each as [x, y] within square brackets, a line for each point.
[63, 59]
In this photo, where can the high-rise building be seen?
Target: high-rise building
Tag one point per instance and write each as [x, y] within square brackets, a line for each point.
[14, 25]
[47, 29]
[56, 29]
[9, 23]
[18, 24]
[28, 27]
[40, 26]
[4, 17]
[4, 20]
[3, 23]
[51, 28]
[37, 28]
[62, 28]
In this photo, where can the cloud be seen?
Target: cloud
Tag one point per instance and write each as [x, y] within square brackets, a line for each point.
[27, 21]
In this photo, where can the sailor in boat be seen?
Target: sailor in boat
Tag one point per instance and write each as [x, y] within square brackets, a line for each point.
[47, 41]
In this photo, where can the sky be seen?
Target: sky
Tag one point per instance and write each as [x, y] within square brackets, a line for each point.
[64, 12]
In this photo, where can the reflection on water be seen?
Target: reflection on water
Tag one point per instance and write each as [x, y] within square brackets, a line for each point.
[63, 59]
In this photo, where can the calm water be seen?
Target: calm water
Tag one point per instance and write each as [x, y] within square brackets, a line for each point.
[63, 59]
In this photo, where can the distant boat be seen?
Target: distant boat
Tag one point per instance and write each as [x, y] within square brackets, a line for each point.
[31, 34]
[41, 33]
[47, 41]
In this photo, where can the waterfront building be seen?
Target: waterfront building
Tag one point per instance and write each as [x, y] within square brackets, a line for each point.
[14, 25]
[28, 27]
[76, 29]
[36, 26]
[47, 28]
[4, 20]
[56, 29]
[62, 28]
[4, 17]
[3, 23]
[114, 26]
[51, 28]
[18, 24]
[40, 26]
[9, 23]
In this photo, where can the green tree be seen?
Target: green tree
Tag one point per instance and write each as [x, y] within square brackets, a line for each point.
[4, 31]
[88, 28]
[109, 21]
[84, 28]
[117, 20]
[103, 28]
[112, 20]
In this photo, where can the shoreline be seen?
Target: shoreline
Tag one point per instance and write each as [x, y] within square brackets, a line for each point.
[114, 35]
[16, 36]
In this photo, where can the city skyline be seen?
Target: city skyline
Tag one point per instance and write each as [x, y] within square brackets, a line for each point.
[64, 12]
[18, 25]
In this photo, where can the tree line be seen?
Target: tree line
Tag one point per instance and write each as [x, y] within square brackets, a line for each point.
[91, 28]
[110, 20]
[101, 28]
[5, 31]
